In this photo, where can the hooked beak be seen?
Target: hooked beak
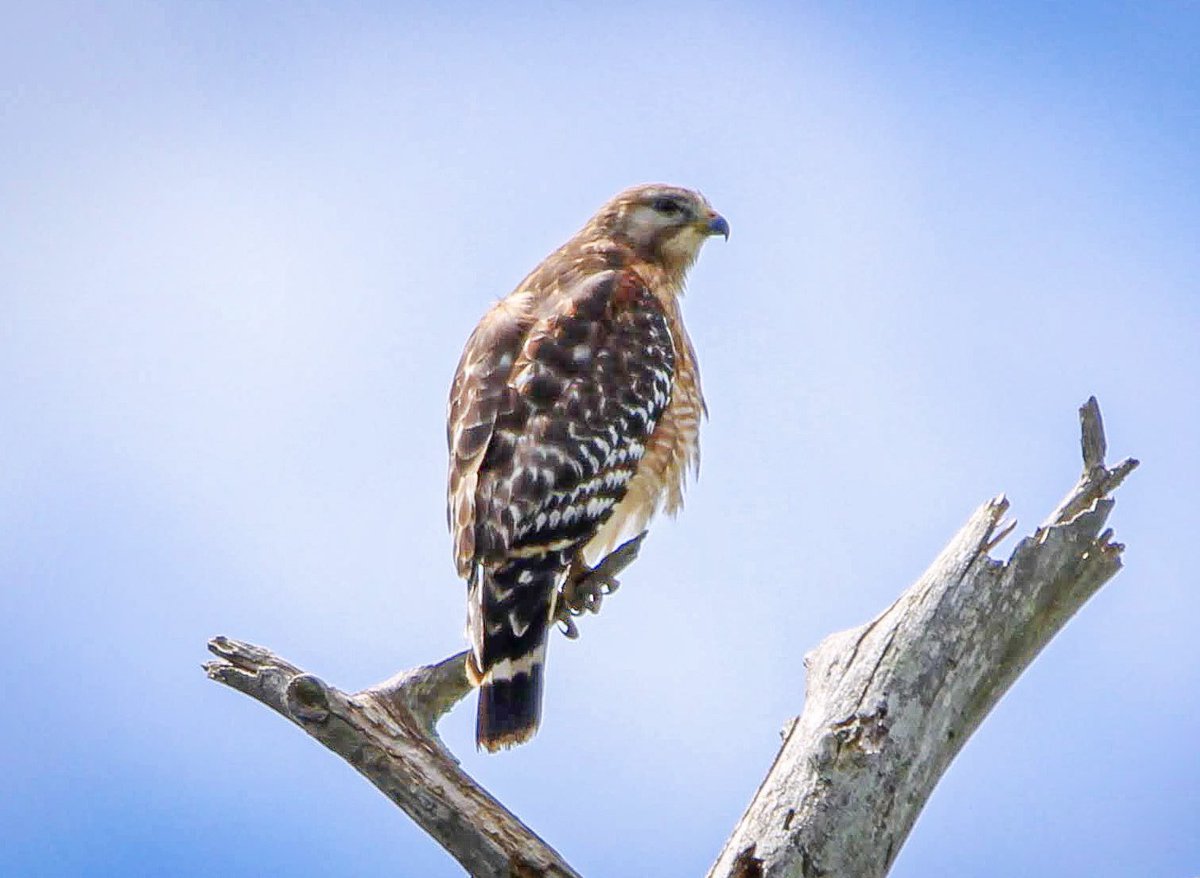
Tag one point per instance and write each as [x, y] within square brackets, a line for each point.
[718, 226]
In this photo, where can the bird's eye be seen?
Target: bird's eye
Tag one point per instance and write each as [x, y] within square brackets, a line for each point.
[667, 206]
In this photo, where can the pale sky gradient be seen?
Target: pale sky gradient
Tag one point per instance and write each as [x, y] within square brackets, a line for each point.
[241, 247]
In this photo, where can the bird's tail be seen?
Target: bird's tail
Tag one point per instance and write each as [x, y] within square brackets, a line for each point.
[509, 619]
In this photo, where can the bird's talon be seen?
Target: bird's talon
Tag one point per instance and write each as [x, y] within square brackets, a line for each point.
[586, 587]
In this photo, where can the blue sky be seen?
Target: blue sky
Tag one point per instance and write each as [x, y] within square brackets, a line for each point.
[241, 248]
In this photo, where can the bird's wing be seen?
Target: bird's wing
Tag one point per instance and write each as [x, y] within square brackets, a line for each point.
[592, 378]
[479, 389]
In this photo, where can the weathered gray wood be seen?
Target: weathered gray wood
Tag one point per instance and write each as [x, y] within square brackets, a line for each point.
[891, 703]
[386, 733]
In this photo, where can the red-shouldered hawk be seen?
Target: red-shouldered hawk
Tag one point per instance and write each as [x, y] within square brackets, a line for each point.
[574, 416]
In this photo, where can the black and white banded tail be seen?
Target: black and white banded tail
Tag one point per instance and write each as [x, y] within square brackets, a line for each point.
[509, 619]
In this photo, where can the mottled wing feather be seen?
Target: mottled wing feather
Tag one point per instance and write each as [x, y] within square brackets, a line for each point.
[592, 378]
[479, 390]
[672, 450]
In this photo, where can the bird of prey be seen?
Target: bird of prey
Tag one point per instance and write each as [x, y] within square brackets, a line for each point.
[574, 417]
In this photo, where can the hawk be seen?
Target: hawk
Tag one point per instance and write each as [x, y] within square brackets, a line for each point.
[574, 417]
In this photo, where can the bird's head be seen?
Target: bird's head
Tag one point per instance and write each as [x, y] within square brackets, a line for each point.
[666, 225]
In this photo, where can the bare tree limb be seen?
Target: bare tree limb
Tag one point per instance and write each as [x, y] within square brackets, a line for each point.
[387, 733]
[1096, 480]
[888, 707]
[891, 703]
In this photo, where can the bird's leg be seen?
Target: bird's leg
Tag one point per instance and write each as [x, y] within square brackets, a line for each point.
[585, 586]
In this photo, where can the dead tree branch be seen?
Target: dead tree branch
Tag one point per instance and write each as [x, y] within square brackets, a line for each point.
[387, 733]
[888, 706]
[891, 703]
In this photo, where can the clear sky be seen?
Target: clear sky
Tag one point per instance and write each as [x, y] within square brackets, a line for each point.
[241, 247]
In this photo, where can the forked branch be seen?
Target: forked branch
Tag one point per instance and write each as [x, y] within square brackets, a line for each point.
[889, 704]
[387, 733]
